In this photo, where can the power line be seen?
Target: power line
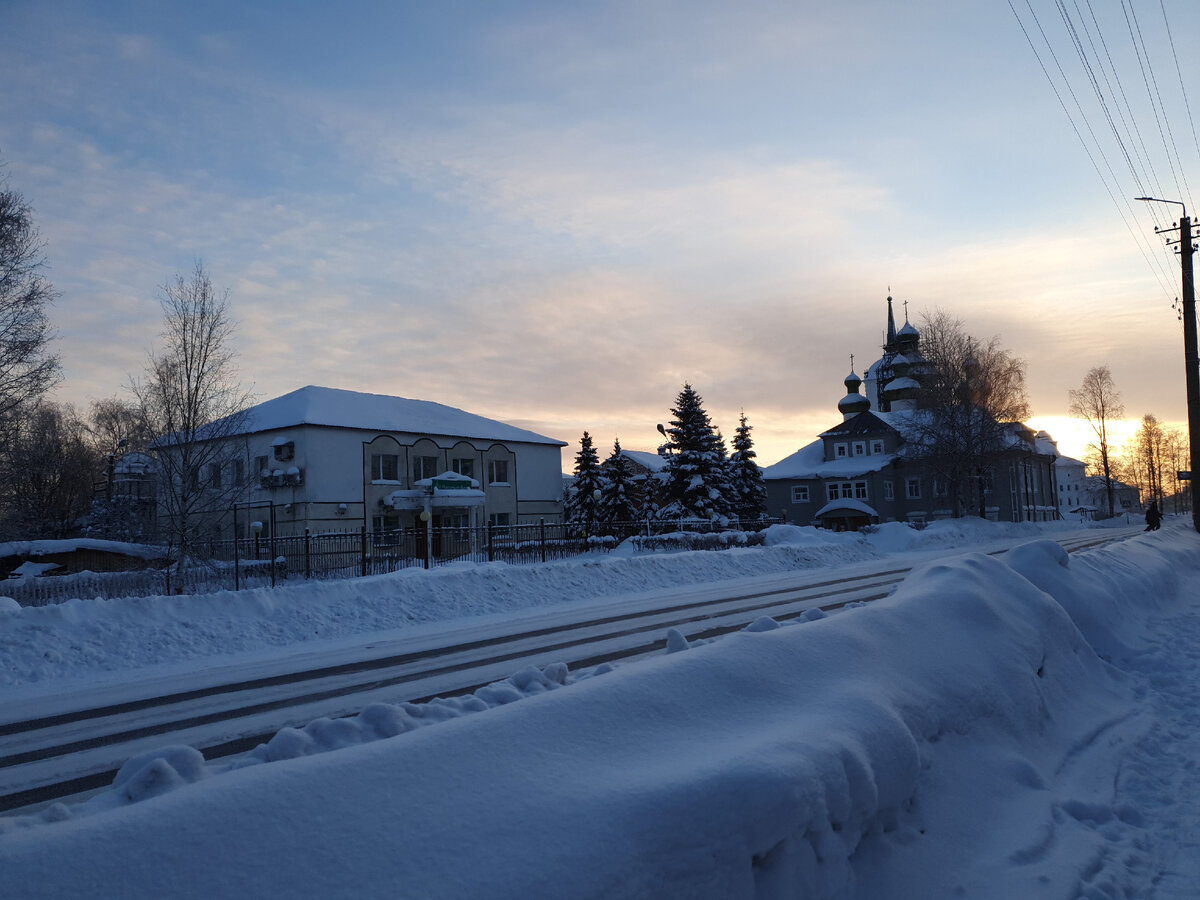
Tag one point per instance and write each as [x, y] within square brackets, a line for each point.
[1182, 90]
[1139, 46]
[1149, 161]
[1138, 237]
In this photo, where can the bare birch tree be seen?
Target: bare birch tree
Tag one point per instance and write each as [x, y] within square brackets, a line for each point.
[1146, 452]
[27, 367]
[48, 476]
[1176, 457]
[971, 392]
[116, 426]
[1097, 402]
[191, 398]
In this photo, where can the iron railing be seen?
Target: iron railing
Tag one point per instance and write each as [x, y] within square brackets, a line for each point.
[265, 561]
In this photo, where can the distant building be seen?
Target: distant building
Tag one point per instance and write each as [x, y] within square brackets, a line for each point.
[865, 469]
[644, 465]
[1086, 496]
[124, 505]
[332, 460]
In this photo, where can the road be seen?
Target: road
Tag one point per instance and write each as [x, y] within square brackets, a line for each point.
[70, 744]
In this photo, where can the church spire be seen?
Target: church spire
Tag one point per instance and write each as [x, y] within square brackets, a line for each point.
[891, 332]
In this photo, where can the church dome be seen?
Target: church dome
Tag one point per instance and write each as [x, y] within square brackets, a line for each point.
[854, 402]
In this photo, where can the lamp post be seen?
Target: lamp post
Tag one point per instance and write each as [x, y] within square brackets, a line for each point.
[1190, 358]
[427, 521]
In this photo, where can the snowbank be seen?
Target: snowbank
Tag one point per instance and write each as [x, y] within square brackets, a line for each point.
[88, 637]
[957, 739]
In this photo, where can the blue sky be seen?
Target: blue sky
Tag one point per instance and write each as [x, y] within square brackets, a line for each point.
[556, 214]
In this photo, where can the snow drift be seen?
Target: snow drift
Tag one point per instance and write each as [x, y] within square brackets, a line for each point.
[941, 742]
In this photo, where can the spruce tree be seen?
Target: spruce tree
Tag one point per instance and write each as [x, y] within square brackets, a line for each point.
[749, 490]
[695, 479]
[621, 497]
[582, 507]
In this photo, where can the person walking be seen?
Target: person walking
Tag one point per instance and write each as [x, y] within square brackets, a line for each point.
[1153, 516]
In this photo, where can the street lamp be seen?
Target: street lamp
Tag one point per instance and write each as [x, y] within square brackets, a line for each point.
[427, 520]
[1190, 358]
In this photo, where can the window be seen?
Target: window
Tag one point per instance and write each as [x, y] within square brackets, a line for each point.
[285, 451]
[214, 475]
[498, 471]
[912, 488]
[500, 520]
[260, 466]
[464, 466]
[380, 524]
[840, 450]
[876, 446]
[385, 467]
[800, 493]
[424, 467]
[846, 490]
[889, 492]
[860, 448]
[940, 486]
[239, 471]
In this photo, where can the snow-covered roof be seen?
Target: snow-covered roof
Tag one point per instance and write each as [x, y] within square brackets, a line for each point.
[810, 462]
[335, 408]
[69, 545]
[647, 458]
[846, 503]
[134, 463]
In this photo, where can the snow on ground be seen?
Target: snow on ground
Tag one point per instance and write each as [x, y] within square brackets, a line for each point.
[87, 638]
[1022, 725]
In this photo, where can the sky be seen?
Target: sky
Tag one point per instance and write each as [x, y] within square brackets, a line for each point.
[1003, 724]
[556, 215]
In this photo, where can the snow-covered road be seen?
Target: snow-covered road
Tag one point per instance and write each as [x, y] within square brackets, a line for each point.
[1021, 726]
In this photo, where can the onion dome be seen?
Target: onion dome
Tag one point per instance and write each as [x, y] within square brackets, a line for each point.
[854, 402]
[901, 393]
[908, 338]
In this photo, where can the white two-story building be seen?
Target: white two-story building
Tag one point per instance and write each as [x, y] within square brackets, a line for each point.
[325, 459]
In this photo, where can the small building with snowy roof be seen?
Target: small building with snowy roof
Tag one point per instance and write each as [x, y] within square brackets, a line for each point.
[869, 467]
[326, 459]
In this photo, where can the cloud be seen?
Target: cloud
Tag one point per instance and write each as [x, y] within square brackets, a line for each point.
[559, 224]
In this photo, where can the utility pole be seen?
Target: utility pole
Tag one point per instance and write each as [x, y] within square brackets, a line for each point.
[1190, 357]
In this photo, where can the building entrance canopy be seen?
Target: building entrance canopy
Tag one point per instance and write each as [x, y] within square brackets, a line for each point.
[440, 492]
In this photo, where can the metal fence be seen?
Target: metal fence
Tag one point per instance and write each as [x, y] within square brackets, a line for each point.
[269, 561]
